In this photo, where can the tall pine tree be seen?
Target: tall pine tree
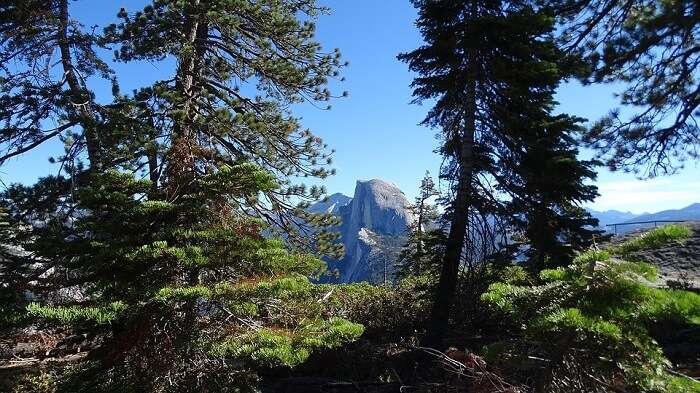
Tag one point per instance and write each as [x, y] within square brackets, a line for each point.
[420, 255]
[492, 67]
[174, 272]
[547, 185]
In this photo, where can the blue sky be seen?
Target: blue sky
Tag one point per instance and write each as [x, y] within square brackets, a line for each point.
[375, 130]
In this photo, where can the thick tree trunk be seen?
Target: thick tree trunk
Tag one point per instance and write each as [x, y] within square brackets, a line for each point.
[181, 169]
[459, 223]
[80, 96]
[188, 72]
[182, 160]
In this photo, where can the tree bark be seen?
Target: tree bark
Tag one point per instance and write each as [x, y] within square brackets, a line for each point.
[188, 71]
[152, 155]
[182, 166]
[459, 223]
[81, 98]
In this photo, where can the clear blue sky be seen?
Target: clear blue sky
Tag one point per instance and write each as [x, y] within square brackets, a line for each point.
[375, 130]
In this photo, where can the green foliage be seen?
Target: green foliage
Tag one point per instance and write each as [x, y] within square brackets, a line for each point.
[12, 265]
[77, 314]
[490, 70]
[594, 317]
[389, 314]
[649, 48]
[672, 308]
[591, 256]
[276, 347]
[652, 239]
[38, 382]
[153, 268]
[424, 248]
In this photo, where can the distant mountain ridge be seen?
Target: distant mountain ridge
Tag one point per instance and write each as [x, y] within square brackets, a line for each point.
[373, 230]
[690, 213]
[608, 217]
[331, 204]
[611, 216]
[375, 225]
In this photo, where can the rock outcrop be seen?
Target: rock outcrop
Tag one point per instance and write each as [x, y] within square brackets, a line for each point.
[373, 230]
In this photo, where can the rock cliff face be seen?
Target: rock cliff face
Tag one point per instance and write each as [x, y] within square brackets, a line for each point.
[375, 224]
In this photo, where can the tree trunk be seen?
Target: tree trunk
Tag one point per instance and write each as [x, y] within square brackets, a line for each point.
[419, 228]
[459, 223]
[152, 155]
[182, 165]
[181, 168]
[81, 98]
[187, 83]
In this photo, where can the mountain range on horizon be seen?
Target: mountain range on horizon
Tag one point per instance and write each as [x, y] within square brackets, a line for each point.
[374, 227]
[375, 222]
[334, 202]
[609, 217]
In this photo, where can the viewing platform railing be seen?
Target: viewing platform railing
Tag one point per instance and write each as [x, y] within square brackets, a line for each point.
[655, 222]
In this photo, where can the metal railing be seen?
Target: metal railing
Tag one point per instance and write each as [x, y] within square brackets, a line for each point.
[642, 222]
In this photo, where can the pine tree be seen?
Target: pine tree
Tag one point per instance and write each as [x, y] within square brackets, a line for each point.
[548, 185]
[650, 46]
[174, 272]
[182, 288]
[484, 62]
[593, 324]
[10, 292]
[226, 49]
[43, 97]
[420, 255]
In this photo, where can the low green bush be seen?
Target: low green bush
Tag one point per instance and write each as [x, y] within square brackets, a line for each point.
[592, 325]
[654, 238]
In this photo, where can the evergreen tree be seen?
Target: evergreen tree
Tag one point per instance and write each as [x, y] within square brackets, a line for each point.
[180, 289]
[421, 253]
[174, 273]
[547, 186]
[492, 67]
[651, 46]
[43, 97]
[594, 325]
[10, 291]
[227, 49]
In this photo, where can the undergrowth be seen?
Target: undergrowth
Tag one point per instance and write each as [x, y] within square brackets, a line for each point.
[653, 239]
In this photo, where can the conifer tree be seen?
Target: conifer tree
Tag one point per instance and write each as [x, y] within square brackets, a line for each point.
[46, 58]
[548, 185]
[174, 272]
[181, 289]
[225, 50]
[650, 47]
[423, 248]
[10, 294]
[483, 63]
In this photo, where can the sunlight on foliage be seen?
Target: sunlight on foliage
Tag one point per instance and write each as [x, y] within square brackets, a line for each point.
[67, 315]
[654, 238]
[279, 347]
[597, 317]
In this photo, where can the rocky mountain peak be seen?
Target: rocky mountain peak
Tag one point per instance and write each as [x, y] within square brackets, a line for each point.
[379, 206]
[374, 226]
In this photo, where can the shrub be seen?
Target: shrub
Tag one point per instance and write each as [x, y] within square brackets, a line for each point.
[591, 325]
[655, 238]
